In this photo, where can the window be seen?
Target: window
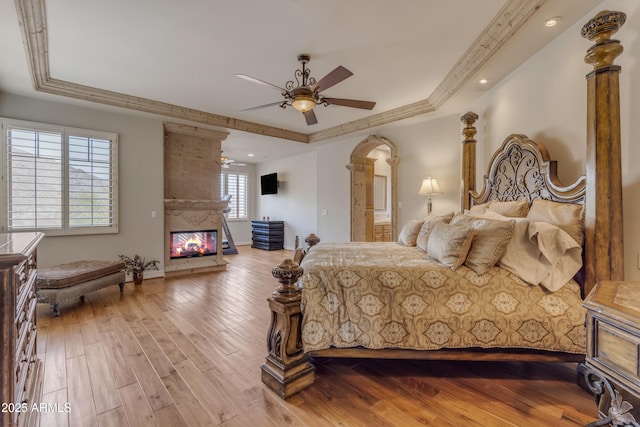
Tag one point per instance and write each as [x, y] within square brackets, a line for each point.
[59, 180]
[235, 184]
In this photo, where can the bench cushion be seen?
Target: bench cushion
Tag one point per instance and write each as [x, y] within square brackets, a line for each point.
[72, 273]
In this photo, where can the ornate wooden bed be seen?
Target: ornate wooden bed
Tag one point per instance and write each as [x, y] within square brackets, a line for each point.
[520, 169]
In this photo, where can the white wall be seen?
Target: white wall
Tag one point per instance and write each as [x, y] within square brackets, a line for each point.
[296, 202]
[140, 174]
[425, 149]
[328, 191]
[546, 100]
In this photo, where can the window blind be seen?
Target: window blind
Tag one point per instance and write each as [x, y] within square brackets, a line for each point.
[60, 180]
[235, 184]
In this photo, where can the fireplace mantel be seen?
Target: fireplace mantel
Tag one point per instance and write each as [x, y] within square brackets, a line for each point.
[192, 192]
[194, 205]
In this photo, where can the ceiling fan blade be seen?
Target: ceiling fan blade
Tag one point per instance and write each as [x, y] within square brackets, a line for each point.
[261, 82]
[331, 79]
[310, 117]
[264, 106]
[353, 103]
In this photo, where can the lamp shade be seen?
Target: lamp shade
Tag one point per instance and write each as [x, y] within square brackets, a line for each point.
[429, 186]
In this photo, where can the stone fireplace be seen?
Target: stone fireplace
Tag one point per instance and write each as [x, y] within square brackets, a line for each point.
[192, 205]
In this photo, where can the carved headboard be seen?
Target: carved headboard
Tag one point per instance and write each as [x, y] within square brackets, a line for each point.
[522, 169]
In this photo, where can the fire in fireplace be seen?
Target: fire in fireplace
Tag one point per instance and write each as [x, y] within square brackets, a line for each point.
[188, 244]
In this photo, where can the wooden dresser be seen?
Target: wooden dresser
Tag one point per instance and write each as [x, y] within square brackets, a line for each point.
[267, 235]
[21, 369]
[613, 350]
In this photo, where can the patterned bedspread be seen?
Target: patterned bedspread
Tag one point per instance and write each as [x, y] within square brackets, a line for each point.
[383, 295]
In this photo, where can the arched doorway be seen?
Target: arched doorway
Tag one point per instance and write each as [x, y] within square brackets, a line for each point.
[361, 215]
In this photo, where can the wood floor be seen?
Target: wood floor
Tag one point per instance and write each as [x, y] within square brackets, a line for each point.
[187, 351]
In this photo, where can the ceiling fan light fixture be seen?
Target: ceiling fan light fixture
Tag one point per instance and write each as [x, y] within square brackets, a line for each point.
[303, 94]
[303, 103]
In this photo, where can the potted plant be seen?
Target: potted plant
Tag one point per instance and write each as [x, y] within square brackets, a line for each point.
[136, 266]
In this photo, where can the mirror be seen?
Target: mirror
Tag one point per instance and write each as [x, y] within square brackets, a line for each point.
[380, 192]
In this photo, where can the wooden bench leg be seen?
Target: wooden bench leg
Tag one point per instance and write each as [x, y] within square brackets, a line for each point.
[55, 307]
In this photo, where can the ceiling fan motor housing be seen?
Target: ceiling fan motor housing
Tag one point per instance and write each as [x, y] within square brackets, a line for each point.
[304, 58]
[303, 99]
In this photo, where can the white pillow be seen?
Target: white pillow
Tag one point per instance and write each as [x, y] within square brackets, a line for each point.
[560, 253]
[567, 216]
[516, 209]
[409, 232]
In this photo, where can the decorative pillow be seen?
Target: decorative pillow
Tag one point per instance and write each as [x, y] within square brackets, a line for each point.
[517, 209]
[540, 253]
[489, 242]
[450, 244]
[479, 209]
[567, 216]
[560, 255]
[409, 232]
[427, 227]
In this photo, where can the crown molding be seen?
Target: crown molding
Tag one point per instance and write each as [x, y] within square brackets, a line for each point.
[33, 25]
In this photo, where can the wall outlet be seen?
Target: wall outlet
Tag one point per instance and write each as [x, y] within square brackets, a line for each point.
[323, 212]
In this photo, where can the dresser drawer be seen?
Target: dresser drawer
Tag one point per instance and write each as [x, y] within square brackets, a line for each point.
[25, 278]
[26, 358]
[616, 349]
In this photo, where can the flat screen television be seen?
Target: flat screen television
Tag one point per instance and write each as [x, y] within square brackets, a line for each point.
[269, 184]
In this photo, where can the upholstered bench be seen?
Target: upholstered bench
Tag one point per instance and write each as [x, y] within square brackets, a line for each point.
[76, 279]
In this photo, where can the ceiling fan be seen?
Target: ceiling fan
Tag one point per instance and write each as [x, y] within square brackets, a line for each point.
[225, 162]
[304, 93]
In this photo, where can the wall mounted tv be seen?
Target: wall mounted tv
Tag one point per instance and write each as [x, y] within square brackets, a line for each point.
[269, 184]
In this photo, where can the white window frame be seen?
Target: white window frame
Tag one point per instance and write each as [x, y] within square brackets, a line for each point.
[66, 133]
[234, 202]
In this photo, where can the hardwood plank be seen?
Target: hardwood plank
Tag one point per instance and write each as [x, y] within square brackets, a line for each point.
[83, 411]
[219, 406]
[151, 384]
[59, 417]
[88, 324]
[105, 392]
[188, 404]
[169, 416]
[136, 406]
[55, 368]
[122, 373]
[113, 418]
[164, 341]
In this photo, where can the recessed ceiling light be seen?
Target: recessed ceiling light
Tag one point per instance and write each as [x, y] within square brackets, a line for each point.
[250, 154]
[552, 22]
[483, 81]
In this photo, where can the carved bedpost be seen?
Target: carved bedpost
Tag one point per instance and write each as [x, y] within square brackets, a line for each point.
[287, 369]
[468, 159]
[603, 217]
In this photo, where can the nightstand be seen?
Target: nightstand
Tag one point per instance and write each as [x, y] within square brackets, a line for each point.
[612, 366]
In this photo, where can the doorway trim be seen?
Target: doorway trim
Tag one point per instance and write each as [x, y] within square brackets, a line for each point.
[358, 185]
